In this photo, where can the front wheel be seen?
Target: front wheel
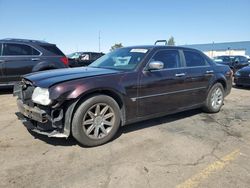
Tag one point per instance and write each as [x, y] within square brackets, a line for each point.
[96, 120]
[215, 99]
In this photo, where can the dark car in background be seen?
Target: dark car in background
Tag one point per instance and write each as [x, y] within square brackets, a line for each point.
[21, 56]
[234, 62]
[80, 59]
[125, 86]
[242, 77]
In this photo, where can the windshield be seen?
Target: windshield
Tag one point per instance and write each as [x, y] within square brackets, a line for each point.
[121, 59]
[224, 59]
[74, 55]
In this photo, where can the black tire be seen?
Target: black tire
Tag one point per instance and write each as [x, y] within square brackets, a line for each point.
[208, 106]
[79, 130]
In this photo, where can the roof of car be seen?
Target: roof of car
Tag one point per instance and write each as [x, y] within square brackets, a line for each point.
[161, 47]
[15, 40]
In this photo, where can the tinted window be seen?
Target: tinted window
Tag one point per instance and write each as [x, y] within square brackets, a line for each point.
[194, 59]
[170, 58]
[35, 52]
[95, 56]
[53, 49]
[19, 49]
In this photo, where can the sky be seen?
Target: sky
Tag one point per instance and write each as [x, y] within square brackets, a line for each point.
[74, 25]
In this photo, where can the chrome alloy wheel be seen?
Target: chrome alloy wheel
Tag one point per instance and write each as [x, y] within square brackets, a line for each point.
[98, 121]
[217, 98]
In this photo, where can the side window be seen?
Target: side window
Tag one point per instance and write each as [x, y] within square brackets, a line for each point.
[85, 57]
[194, 59]
[52, 49]
[18, 50]
[35, 52]
[170, 58]
[237, 59]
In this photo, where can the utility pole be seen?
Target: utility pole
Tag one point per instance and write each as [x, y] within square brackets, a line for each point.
[99, 39]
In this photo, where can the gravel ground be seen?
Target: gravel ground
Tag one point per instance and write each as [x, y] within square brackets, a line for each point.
[189, 149]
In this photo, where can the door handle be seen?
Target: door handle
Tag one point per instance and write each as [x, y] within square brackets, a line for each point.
[35, 59]
[180, 75]
[210, 72]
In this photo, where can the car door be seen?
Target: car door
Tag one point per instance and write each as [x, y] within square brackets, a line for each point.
[160, 91]
[19, 59]
[199, 74]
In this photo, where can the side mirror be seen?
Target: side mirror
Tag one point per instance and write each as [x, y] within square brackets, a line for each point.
[155, 65]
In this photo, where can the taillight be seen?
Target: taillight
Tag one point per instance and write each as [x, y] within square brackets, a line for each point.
[65, 60]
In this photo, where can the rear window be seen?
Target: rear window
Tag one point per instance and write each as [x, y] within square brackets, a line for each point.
[96, 56]
[53, 49]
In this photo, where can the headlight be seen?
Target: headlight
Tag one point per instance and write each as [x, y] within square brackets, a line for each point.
[237, 73]
[41, 96]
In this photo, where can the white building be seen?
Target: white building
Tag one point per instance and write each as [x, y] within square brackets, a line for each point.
[227, 48]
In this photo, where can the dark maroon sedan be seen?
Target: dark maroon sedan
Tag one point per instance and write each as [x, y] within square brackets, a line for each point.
[125, 86]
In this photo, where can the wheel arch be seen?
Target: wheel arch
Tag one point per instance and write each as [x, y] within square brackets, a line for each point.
[222, 82]
[43, 65]
[76, 103]
[219, 78]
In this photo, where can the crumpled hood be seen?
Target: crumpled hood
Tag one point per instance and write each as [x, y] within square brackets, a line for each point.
[48, 78]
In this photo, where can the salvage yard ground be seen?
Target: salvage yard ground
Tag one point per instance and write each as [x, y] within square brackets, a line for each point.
[186, 150]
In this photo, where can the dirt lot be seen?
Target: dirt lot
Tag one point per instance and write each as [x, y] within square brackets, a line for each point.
[190, 149]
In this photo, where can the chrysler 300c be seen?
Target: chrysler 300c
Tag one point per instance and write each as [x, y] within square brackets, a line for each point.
[125, 86]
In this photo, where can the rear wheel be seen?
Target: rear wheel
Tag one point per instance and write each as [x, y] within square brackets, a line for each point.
[215, 99]
[96, 120]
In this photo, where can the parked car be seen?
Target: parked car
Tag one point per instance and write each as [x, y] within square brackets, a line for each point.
[234, 62]
[248, 58]
[125, 86]
[242, 77]
[79, 59]
[20, 56]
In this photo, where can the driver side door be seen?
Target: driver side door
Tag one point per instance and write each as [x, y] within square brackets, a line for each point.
[162, 91]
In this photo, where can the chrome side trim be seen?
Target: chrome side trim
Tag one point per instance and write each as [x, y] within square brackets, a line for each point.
[168, 93]
[7, 84]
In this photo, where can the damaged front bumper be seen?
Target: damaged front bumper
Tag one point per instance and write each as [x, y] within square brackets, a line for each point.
[41, 122]
[53, 121]
[33, 113]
